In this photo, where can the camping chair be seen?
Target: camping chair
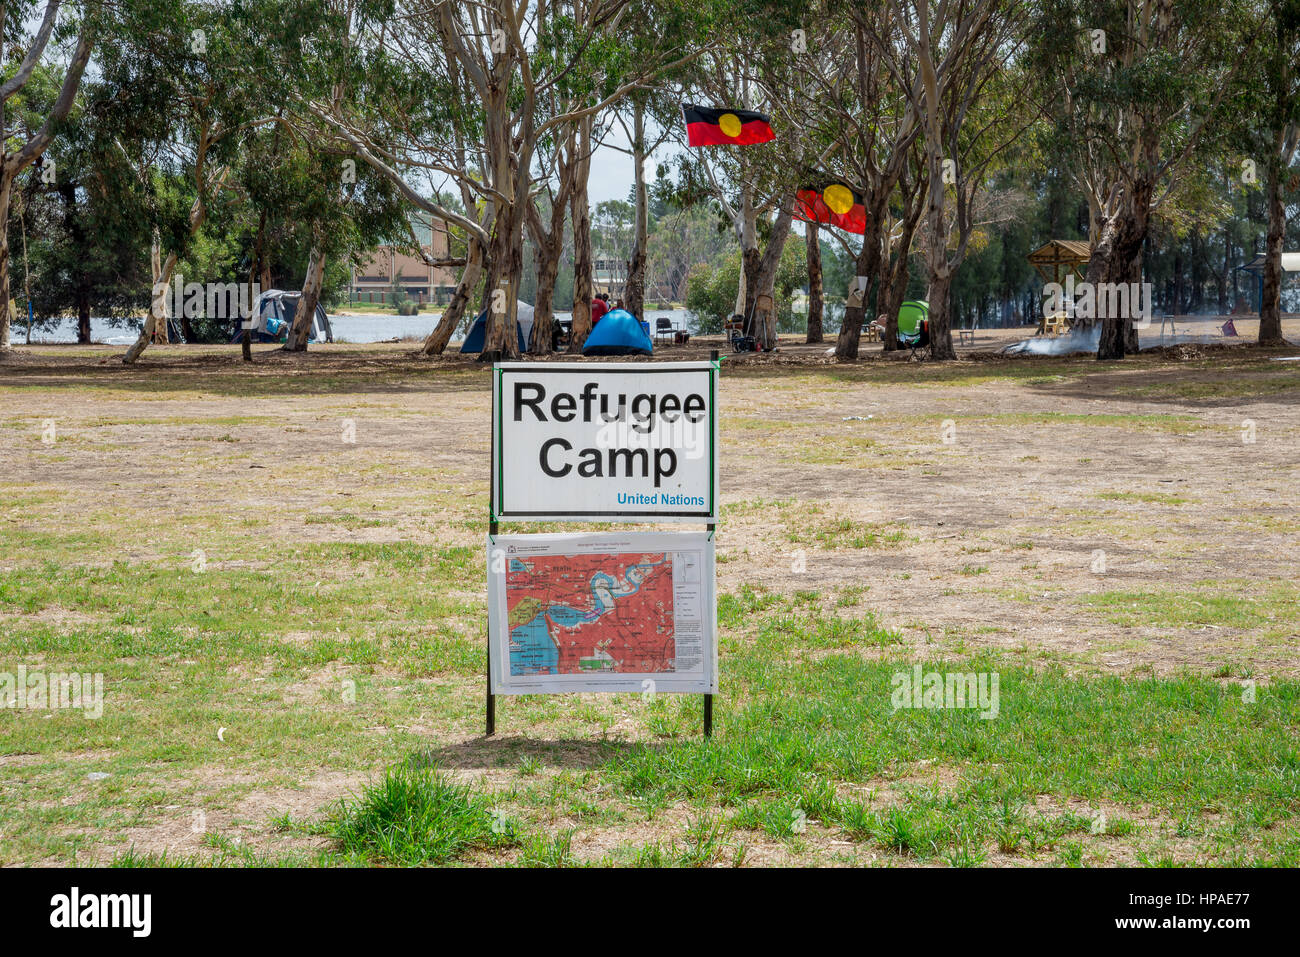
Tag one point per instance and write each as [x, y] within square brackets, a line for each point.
[736, 328]
[663, 328]
[745, 340]
[1057, 324]
[914, 325]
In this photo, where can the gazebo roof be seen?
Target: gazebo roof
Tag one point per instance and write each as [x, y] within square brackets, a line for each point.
[1066, 252]
[1290, 263]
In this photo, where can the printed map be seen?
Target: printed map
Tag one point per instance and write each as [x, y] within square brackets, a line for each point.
[577, 614]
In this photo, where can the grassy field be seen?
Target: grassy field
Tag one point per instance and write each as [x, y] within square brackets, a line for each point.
[279, 573]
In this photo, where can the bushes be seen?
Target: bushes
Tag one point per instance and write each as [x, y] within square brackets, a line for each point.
[711, 293]
[711, 289]
[402, 302]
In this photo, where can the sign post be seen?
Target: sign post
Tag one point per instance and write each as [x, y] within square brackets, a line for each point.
[607, 612]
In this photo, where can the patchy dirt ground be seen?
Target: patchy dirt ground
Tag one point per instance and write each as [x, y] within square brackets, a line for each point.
[997, 494]
[1129, 517]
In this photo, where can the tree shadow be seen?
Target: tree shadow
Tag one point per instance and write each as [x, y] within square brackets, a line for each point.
[1207, 377]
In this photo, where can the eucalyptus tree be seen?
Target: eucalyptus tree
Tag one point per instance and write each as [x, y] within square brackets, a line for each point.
[88, 225]
[667, 34]
[902, 217]
[189, 68]
[494, 48]
[1137, 88]
[546, 215]
[650, 117]
[759, 61]
[683, 237]
[312, 51]
[956, 60]
[643, 107]
[867, 126]
[24, 135]
[1274, 134]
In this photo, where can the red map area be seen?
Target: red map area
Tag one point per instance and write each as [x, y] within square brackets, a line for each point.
[602, 613]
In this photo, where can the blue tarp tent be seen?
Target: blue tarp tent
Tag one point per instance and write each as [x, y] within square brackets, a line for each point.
[477, 332]
[618, 333]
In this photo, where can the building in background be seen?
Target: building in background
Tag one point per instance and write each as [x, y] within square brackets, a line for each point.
[609, 273]
[372, 281]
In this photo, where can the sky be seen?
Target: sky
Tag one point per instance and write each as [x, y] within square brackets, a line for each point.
[611, 170]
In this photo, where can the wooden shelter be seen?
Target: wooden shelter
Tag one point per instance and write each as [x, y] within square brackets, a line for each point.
[1055, 260]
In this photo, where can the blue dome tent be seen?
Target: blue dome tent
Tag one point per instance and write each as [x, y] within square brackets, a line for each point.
[478, 331]
[618, 334]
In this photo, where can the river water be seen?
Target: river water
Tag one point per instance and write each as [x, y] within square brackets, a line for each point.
[346, 328]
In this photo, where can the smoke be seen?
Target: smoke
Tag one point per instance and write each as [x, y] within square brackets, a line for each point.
[1082, 339]
[1167, 331]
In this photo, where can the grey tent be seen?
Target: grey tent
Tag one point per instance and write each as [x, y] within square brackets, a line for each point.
[272, 318]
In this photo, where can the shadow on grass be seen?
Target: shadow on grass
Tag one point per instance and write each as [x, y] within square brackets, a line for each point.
[1196, 374]
[508, 751]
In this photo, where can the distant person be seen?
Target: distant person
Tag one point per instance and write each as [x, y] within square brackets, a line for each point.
[598, 309]
[619, 304]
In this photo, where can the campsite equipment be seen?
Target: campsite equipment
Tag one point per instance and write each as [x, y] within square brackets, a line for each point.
[272, 318]
[1057, 324]
[477, 334]
[618, 334]
[735, 328]
[743, 339]
[914, 324]
[663, 328]
[705, 127]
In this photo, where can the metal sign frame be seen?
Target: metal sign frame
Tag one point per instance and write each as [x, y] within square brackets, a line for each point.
[713, 366]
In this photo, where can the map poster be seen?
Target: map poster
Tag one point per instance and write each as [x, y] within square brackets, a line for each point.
[631, 611]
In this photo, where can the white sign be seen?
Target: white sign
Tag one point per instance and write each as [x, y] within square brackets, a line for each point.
[632, 442]
[602, 612]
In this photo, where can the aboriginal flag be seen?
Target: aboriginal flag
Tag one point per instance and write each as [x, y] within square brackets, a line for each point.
[706, 127]
[831, 201]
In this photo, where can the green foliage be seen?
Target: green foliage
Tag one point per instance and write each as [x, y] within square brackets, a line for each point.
[711, 293]
[711, 290]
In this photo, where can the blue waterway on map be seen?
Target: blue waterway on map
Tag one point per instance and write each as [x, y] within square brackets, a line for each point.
[568, 617]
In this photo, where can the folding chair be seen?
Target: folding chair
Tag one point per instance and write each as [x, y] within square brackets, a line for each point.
[914, 325]
[746, 341]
